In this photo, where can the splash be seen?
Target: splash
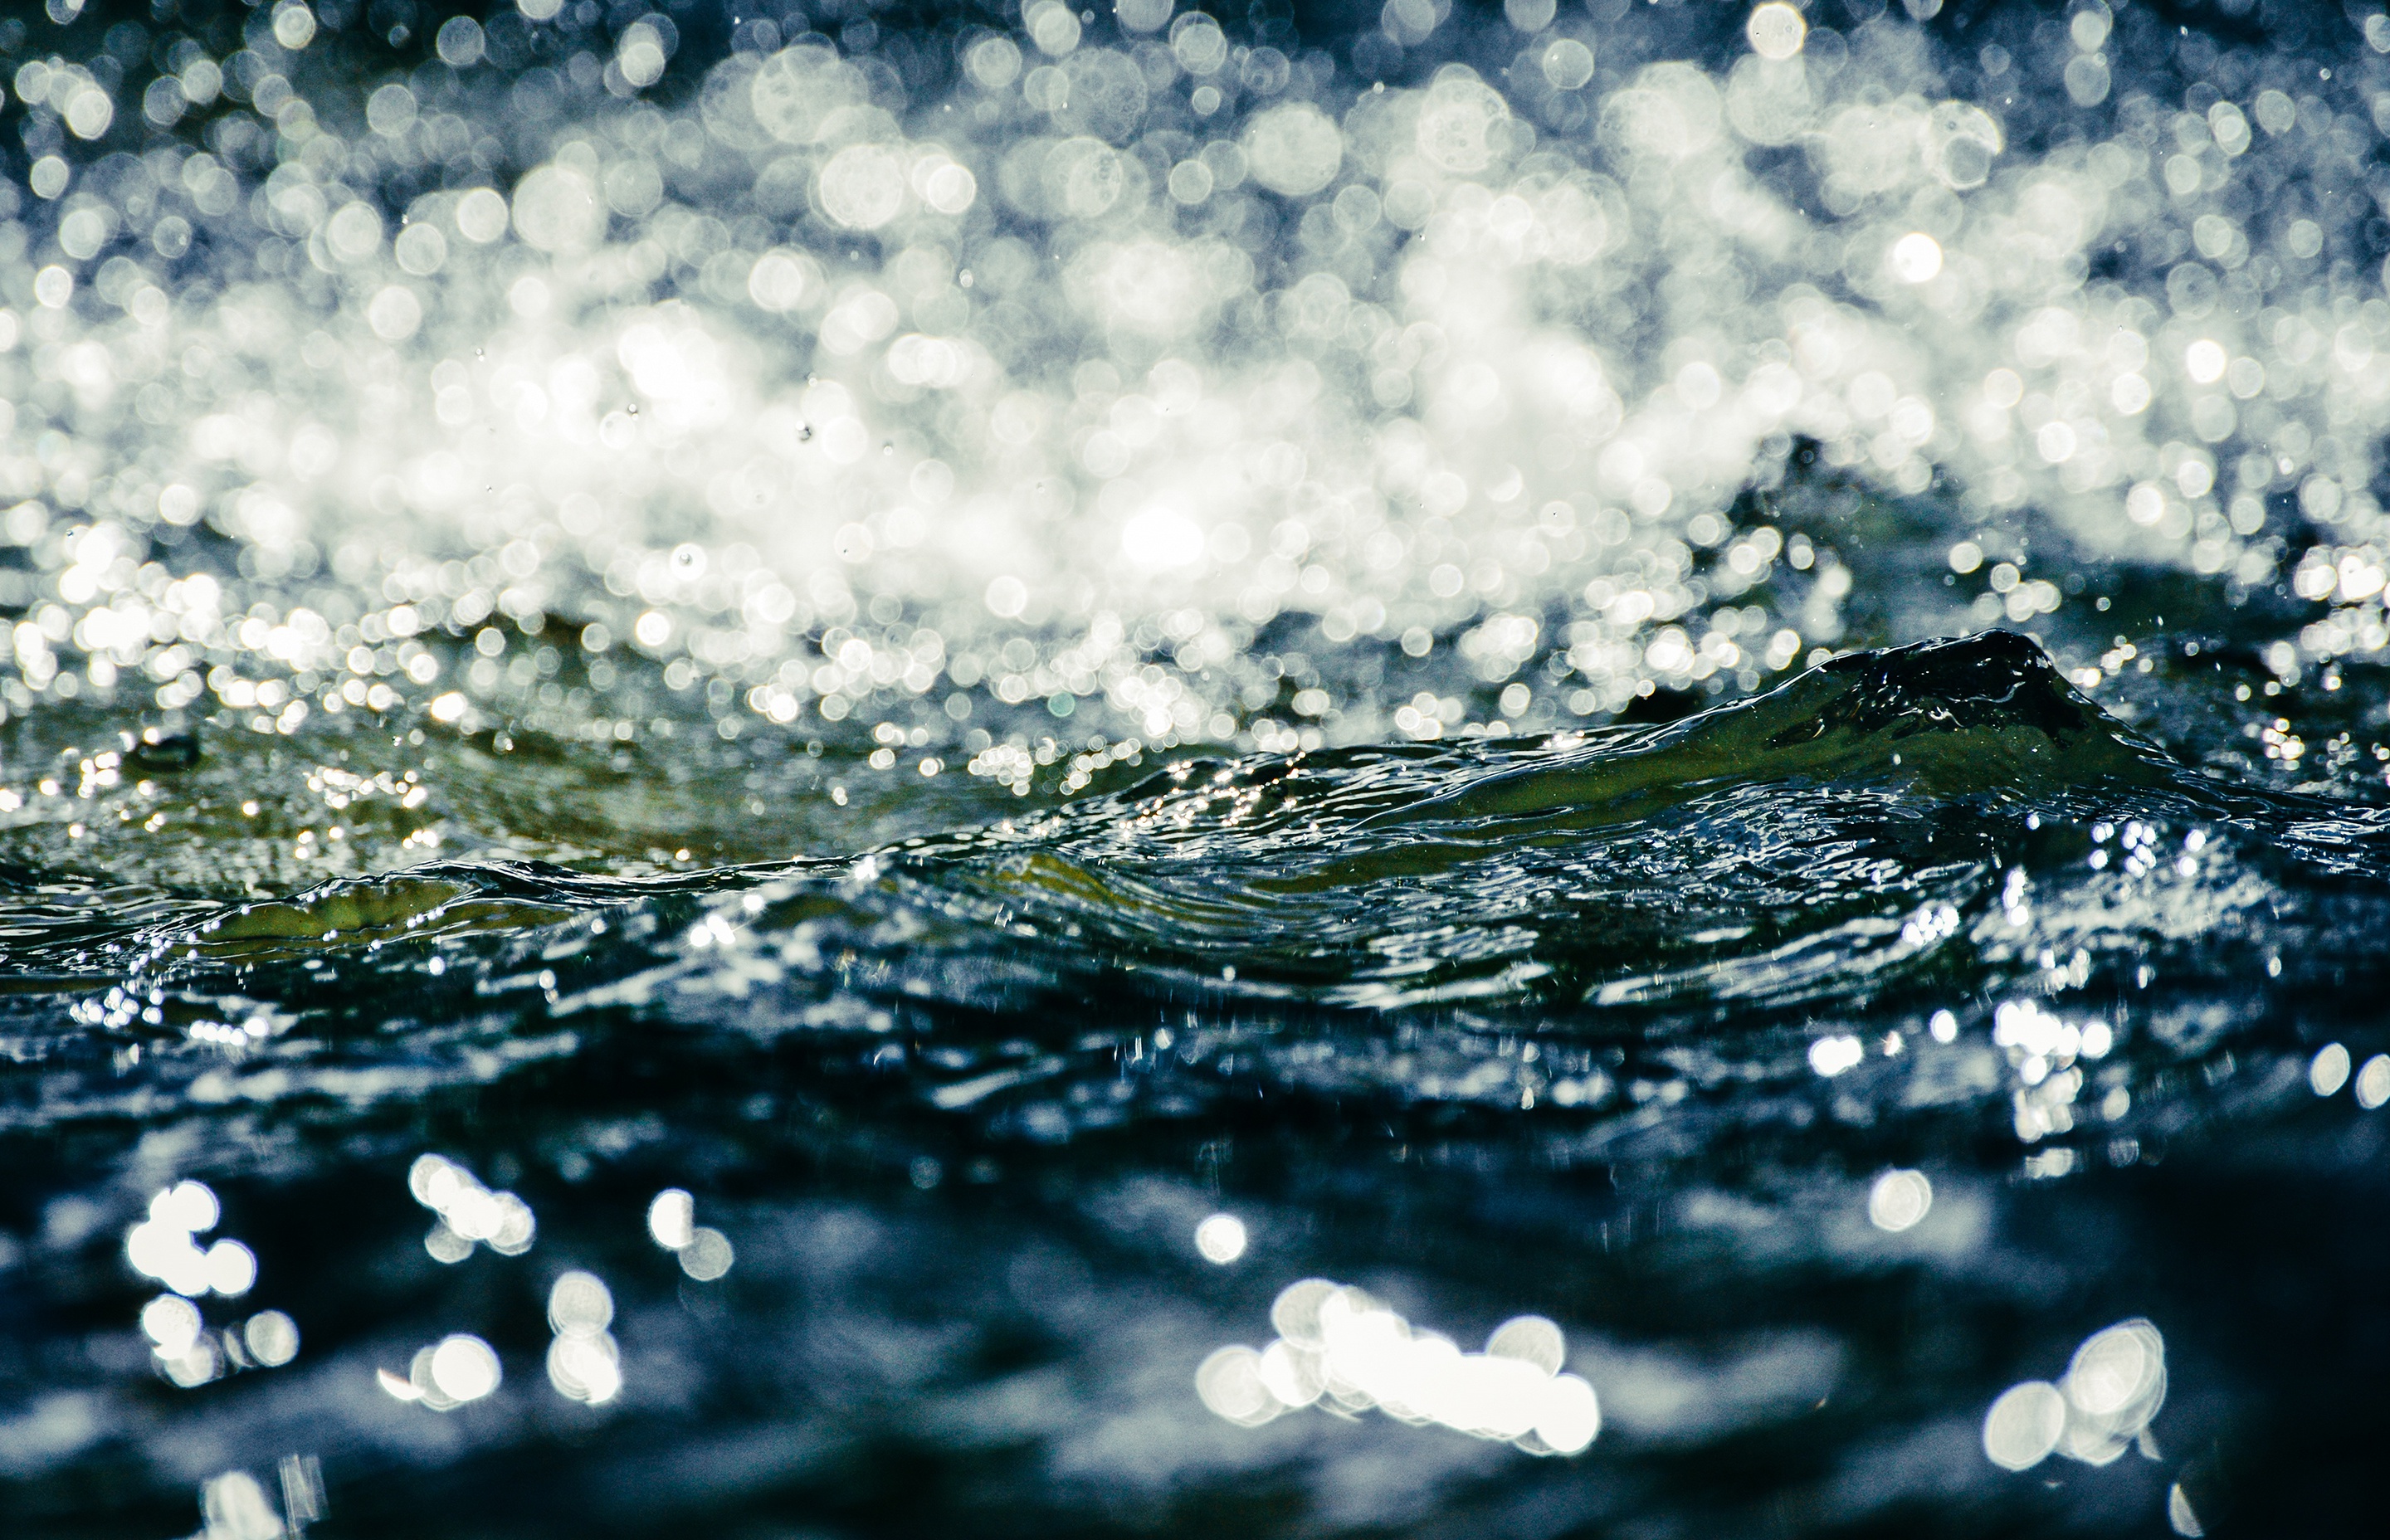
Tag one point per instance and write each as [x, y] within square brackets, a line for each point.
[1139, 370]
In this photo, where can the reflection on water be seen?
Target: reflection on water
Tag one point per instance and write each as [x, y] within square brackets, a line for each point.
[1900, 1022]
[2103, 1405]
[235, 1507]
[913, 712]
[705, 1253]
[469, 1213]
[583, 1362]
[959, 374]
[1899, 1199]
[1340, 1345]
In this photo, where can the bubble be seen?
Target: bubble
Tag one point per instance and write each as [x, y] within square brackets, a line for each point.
[992, 64]
[862, 186]
[161, 1251]
[84, 231]
[949, 188]
[1221, 1238]
[202, 1362]
[172, 1323]
[1831, 1056]
[802, 93]
[2204, 361]
[474, 1212]
[708, 1255]
[394, 313]
[556, 208]
[190, 1207]
[202, 81]
[579, 1304]
[1570, 1417]
[420, 249]
[586, 1368]
[272, 1338]
[1671, 111]
[1769, 101]
[464, 1367]
[2115, 1370]
[1411, 22]
[459, 42]
[539, 10]
[516, 1226]
[1142, 16]
[670, 1217]
[1458, 122]
[354, 233]
[1295, 1314]
[1053, 27]
[294, 25]
[1342, 1340]
[2191, 290]
[1567, 64]
[231, 1268]
[640, 55]
[1530, 16]
[1775, 30]
[1960, 142]
[634, 186]
[1103, 94]
[2374, 1083]
[1531, 1340]
[1295, 150]
[390, 112]
[482, 216]
[89, 111]
[779, 281]
[2217, 238]
[1231, 1384]
[1294, 1375]
[1916, 257]
[2023, 1425]
[1198, 45]
[163, 102]
[431, 1179]
[2329, 1070]
[1899, 1199]
[1081, 178]
[1007, 597]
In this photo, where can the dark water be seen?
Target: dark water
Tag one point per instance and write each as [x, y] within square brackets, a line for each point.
[1540, 1027]
[1463, 810]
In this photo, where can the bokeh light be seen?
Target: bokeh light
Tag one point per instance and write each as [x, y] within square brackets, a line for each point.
[2104, 1404]
[1338, 1346]
[1221, 1238]
[1899, 1199]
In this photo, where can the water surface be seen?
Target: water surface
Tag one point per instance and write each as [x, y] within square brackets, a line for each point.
[1584, 770]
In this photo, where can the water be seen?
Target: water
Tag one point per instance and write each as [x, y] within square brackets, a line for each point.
[1589, 769]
